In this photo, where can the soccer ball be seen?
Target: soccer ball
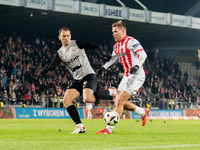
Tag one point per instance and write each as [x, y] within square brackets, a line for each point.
[111, 118]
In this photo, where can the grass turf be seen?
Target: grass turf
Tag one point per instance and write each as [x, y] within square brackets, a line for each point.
[48, 134]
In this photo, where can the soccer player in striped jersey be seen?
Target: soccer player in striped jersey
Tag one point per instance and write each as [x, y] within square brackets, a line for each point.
[132, 56]
[72, 54]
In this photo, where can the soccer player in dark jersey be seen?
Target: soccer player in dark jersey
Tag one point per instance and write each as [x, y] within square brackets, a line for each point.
[73, 55]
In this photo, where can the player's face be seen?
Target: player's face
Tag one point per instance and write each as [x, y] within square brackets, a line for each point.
[65, 37]
[118, 33]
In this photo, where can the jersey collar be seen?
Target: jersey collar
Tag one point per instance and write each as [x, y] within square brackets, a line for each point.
[123, 38]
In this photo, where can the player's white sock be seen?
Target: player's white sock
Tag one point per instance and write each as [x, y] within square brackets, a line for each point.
[110, 92]
[79, 125]
[140, 111]
[110, 128]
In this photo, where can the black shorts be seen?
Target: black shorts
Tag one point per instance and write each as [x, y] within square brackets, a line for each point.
[90, 81]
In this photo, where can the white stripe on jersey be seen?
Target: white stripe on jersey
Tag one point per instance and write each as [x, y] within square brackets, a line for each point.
[126, 56]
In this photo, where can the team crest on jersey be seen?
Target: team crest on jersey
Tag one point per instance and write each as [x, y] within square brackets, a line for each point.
[73, 49]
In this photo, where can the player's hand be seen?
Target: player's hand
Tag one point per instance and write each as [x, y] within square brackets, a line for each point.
[106, 58]
[45, 70]
[134, 69]
[99, 71]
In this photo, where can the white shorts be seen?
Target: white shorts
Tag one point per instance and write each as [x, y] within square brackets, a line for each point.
[88, 106]
[133, 82]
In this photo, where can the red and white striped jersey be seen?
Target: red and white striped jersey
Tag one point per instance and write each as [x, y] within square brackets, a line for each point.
[127, 51]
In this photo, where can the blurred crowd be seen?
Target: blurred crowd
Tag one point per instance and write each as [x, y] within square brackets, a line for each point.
[21, 81]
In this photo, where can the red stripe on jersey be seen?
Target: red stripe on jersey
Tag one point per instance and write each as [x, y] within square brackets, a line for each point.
[128, 53]
[139, 50]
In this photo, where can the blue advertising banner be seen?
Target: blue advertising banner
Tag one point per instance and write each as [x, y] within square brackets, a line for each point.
[166, 113]
[135, 116]
[44, 113]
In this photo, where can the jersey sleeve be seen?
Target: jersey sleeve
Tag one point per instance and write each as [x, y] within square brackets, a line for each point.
[56, 61]
[87, 45]
[135, 46]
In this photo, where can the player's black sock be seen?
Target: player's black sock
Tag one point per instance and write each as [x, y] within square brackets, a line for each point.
[73, 112]
[101, 94]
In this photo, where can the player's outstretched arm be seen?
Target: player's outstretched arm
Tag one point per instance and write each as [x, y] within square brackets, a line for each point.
[56, 61]
[89, 45]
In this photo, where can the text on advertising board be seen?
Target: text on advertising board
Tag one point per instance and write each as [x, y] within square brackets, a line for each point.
[136, 15]
[114, 12]
[40, 2]
[92, 9]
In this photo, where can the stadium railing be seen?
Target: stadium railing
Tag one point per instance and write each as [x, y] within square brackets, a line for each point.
[161, 104]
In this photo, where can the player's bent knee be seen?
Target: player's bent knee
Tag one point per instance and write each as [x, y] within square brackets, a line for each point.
[66, 103]
[89, 100]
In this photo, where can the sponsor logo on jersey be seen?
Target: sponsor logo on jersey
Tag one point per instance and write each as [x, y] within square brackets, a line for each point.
[73, 59]
[76, 68]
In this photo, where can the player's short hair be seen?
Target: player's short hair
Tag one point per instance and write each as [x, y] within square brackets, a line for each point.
[119, 24]
[64, 29]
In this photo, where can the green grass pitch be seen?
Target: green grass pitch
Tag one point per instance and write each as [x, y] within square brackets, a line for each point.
[50, 134]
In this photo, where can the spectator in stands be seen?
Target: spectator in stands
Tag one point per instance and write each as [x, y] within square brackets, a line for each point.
[77, 104]
[55, 101]
[36, 99]
[43, 100]
[32, 88]
[5, 96]
[163, 102]
[181, 102]
[189, 89]
[15, 70]
[155, 88]
[2, 98]
[13, 97]
[5, 79]
[17, 93]
[22, 92]
[154, 103]
[2, 84]
[189, 100]
[162, 91]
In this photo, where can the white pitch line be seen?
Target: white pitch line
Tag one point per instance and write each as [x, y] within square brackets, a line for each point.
[152, 147]
[149, 147]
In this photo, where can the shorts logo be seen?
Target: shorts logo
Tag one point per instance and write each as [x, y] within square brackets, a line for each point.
[73, 49]
[85, 82]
